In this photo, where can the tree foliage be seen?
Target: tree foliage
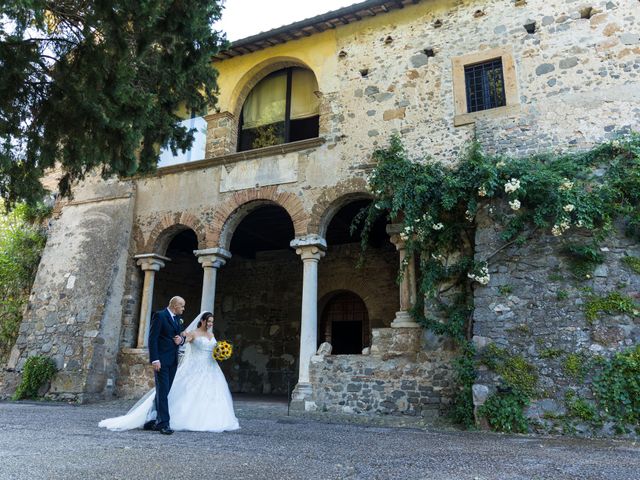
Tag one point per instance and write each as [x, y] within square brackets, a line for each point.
[96, 85]
[21, 244]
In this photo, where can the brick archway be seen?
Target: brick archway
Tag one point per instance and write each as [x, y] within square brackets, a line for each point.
[332, 200]
[230, 214]
[168, 226]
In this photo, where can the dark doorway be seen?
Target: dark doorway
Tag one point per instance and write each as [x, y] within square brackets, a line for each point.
[181, 276]
[345, 324]
[258, 298]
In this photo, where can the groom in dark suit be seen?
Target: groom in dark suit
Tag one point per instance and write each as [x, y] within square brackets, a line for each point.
[164, 340]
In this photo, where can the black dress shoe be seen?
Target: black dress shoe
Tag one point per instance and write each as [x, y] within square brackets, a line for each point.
[150, 425]
[166, 431]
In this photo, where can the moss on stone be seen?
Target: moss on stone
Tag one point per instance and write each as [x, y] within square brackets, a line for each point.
[611, 304]
[632, 262]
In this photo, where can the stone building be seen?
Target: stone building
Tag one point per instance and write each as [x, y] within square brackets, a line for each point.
[253, 222]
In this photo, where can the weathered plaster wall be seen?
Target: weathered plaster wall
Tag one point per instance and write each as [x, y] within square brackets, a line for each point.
[75, 310]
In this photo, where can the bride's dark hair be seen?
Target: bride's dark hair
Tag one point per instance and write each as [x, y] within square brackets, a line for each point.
[203, 319]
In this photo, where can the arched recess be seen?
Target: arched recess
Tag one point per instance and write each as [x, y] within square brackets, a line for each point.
[335, 206]
[230, 214]
[258, 298]
[257, 73]
[375, 279]
[182, 275]
[344, 322]
[332, 200]
[169, 226]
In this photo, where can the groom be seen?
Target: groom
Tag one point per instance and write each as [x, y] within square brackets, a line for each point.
[164, 340]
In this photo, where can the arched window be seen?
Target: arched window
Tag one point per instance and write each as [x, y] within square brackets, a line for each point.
[281, 108]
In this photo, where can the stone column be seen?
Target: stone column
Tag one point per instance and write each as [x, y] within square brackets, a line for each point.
[211, 259]
[311, 249]
[150, 263]
[403, 318]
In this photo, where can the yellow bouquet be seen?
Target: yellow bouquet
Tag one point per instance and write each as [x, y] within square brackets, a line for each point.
[222, 351]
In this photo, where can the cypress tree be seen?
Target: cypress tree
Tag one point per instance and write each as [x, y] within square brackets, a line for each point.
[95, 85]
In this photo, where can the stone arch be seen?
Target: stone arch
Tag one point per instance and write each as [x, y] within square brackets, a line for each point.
[241, 203]
[257, 73]
[169, 226]
[332, 200]
[326, 298]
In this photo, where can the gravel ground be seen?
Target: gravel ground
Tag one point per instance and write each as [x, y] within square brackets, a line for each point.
[49, 440]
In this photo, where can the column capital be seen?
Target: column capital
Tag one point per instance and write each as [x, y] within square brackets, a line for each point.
[151, 261]
[394, 230]
[310, 247]
[212, 257]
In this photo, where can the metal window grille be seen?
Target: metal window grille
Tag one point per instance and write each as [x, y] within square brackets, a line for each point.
[484, 85]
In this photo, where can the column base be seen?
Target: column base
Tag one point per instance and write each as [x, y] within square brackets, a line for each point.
[404, 320]
[302, 398]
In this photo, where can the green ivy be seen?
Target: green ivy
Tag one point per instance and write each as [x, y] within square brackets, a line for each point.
[517, 374]
[574, 366]
[617, 387]
[583, 259]
[436, 206]
[580, 408]
[549, 353]
[504, 412]
[37, 371]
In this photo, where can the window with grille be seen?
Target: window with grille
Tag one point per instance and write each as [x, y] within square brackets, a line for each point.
[484, 85]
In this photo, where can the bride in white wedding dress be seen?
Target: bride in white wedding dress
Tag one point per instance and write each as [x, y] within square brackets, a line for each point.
[199, 399]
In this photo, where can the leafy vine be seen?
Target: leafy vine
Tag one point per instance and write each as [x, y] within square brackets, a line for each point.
[438, 207]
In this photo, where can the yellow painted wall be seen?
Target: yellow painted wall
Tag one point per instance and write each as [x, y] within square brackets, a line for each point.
[319, 52]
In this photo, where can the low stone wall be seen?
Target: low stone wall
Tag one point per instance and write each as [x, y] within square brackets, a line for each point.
[135, 374]
[416, 383]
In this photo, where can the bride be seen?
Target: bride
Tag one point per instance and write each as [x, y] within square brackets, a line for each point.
[199, 399]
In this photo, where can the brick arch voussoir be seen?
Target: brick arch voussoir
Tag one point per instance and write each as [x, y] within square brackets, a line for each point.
[171, 224]
[332, 200]
[216, 231]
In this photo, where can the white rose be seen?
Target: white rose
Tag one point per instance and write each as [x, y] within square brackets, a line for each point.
[515, 204]
[569, 208]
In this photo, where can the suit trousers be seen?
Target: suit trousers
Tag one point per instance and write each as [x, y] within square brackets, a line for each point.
[164, 380]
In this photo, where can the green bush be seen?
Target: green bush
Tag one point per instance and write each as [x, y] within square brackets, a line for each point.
[37, 371]
[21, 244]
[617, 387]
[504, 412]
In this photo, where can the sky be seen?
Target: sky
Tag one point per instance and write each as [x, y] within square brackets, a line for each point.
[244, 18]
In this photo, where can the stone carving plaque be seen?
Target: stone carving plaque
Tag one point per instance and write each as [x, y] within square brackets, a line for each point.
[259, 172]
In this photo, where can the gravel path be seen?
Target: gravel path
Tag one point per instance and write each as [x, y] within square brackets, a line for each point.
[48, 440]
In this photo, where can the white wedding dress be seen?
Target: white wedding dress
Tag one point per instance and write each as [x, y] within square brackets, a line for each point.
[199, 399]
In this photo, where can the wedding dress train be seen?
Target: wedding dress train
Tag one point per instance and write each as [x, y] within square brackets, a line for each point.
[199, 399]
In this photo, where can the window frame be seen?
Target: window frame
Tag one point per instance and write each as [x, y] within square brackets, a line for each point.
[287, 112]
[462, 115]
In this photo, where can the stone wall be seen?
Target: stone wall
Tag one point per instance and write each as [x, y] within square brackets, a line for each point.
[75, 310]
[534, 307]
[400, 376]
[258, 309]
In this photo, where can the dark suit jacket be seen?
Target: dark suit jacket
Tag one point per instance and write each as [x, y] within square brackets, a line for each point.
[161, 344]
